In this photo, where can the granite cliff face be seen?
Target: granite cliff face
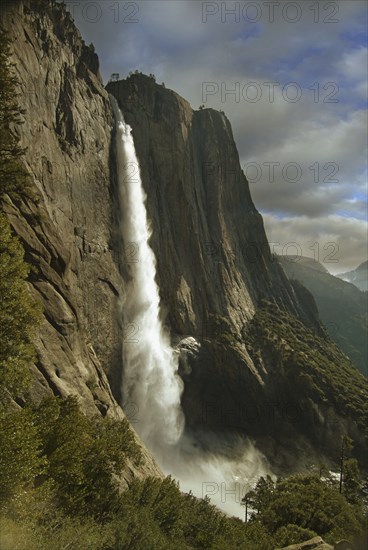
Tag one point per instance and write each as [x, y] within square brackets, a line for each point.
[69, 229]
[215, 270]
[214, 265]
[209, 240]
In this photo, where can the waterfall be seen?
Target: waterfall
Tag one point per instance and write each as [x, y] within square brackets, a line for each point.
[151, 382]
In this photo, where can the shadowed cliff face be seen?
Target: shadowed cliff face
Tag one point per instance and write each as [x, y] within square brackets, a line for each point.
[215, 271]
[69, 230]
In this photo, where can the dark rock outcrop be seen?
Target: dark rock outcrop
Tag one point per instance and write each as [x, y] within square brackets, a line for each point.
[311, 544]
[318, 543]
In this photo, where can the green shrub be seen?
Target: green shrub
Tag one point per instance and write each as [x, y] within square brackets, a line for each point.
[20, 454]
[309, 503]
[292, 534]
[19, 314]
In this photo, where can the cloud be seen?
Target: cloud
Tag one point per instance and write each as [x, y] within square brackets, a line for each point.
[337, 242]
[352, 63]
[327, 162]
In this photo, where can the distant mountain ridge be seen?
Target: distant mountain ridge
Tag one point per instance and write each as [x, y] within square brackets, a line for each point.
[358, 276]
[342, 306]
[305, 261]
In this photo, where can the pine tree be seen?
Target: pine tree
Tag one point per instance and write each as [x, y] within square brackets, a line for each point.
[18, 313]
[352, 481]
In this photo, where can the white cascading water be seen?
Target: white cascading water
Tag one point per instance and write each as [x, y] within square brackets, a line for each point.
[150, 379]
[150, 376]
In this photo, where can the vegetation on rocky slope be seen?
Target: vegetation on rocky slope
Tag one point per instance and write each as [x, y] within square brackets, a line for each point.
[59, 489]
[308, 394]
[308, 365]
[299, 507]
[342, 308]
[18, 313]
[14, 180]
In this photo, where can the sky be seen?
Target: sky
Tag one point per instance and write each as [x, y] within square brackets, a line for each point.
[292, 79]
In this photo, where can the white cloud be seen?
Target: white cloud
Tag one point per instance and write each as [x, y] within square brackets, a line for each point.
[337, 242]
